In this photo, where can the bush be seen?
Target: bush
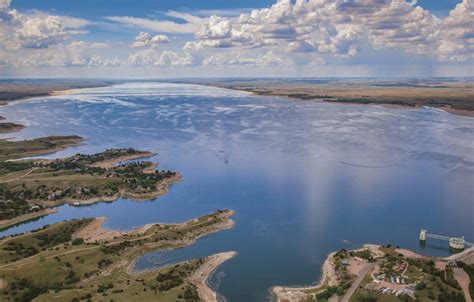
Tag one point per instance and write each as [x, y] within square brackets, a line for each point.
[78, 241]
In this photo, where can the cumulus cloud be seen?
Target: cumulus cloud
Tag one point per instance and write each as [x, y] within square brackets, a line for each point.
[342, 27]
[268, 58]
[145, 40]
[76, 53]
[457, 33]
[150, 57]
[40, 32]
[35, 29]
[290, 32]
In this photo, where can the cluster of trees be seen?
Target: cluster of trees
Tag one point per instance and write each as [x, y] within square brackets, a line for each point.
[62, 234]
[25, 291]
[14, 166]
[174, 277]
[21, 250]
[115, 249]
[87, 159]
[190, 294]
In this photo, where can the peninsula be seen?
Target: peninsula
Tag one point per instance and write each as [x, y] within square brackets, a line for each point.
[385, 273]
[28, 186]
[79, 260]
[452, 95]
[17, 89]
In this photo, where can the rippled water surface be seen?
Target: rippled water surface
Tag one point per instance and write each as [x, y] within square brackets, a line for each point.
[304, 178]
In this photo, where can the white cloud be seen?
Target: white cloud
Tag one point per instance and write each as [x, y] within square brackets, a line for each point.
[457, 33]
[77, 53]
[35, 29]
[266, 59]
[290, 32]
[4, 4]
[342, 27]
[150, 57]
[40, 32]
[300, 46]
[145, 40]
[189, 25]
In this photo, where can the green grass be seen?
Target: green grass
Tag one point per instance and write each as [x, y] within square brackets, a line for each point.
[364, 294]
[61, 269]
[23, 246]
[37, 146]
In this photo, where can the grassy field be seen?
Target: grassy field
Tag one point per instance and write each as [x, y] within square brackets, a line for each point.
[455, 96]
[35, 147]
[11, 90]
[48, 264]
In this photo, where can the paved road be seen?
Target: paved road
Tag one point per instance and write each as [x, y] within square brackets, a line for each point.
[356, 283]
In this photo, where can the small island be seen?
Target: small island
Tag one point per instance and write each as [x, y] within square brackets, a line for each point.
[79, 260]
[385, 273]
[9, 127]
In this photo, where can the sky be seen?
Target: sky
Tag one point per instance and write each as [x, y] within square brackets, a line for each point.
[246, 38]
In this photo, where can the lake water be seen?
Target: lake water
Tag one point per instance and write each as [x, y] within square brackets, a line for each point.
[304, 178]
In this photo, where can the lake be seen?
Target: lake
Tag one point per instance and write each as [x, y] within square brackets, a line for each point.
[305, 178]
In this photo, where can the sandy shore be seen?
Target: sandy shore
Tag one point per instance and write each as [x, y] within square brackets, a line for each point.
[409, 254]
[200, 277]
[95, 232]
[328, 278]
[458, 111]
[293, 294]
[23, 218]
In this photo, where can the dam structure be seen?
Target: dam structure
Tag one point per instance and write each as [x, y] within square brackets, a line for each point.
[457, 243]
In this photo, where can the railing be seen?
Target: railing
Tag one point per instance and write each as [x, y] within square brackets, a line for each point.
[439, 237]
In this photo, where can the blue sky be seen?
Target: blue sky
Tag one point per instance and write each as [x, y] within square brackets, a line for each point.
[144, 7]
[236, 38]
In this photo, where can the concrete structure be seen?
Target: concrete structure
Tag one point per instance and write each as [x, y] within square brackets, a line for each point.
[454, 242]
[423, 235]
[457, 243]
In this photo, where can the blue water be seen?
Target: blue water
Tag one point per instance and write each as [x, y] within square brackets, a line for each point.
[304, 178]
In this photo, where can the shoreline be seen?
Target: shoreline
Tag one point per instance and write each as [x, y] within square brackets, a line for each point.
[8, 223]
[56, 92]
[342, 101]
[228, 224]
[162, 188]
[329, 277]
[200, 278]
[110, 163]
[27, 90]
[289, 293]
[95, 231]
